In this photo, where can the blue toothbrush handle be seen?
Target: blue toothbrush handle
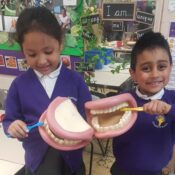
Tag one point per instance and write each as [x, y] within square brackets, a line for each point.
[35, 125]
[29, 128]
[9, 136]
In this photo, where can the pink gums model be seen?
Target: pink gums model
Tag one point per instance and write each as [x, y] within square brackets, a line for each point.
[106, 118]
[65, 129]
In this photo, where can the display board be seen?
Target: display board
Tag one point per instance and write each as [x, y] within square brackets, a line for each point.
[12, 60]
[171, 41]
[145, 18]
[91, 19]
[117, 26]
[137, 17]
[119, 11]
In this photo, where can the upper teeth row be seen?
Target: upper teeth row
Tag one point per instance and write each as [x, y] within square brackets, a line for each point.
[109, 110]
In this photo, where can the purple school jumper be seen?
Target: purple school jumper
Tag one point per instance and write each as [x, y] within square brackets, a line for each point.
[148, 145]
[27, 100]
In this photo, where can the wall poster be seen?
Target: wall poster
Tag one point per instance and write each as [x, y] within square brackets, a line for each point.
[12, 60]
[136, 17]
[172, 29]
[171, 41]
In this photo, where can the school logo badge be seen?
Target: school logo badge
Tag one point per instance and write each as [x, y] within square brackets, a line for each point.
[160, 121]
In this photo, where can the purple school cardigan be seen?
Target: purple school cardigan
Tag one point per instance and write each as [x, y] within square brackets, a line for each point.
[148, 145]
[27, 100]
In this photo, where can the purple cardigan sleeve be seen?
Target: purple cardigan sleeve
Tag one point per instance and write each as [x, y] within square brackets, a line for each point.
[83, 96]
[12, 107]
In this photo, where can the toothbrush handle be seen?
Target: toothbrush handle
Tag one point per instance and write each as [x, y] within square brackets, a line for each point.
[132, 109]
[29, 128]
[35, 125]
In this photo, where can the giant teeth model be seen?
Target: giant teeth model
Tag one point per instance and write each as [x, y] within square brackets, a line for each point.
[65, 129]
[105, 117]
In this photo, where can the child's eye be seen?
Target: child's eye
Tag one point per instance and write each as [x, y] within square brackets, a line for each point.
[32, 55]
[48, 52]
[146, 69]
[162, 67]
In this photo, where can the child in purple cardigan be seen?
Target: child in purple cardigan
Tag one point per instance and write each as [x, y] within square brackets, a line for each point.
[40, 37]
[148, 146]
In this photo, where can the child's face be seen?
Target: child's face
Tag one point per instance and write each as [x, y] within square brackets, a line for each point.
[41, 51]
[152, 71]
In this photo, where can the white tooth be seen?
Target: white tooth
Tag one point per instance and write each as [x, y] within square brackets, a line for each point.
[71, 142]
[111, 127]
[110, 110]
[105, 111]
[128, 119]
[93, 112]
[52, 136]
[119, 106]
[74, 141]
[49, 132]
[100, 111]
[97, 126]
[98, 129]
[122, 120]
[46, 126]
[66, 142]
[116, 126]
[125, 104]
[120, 125]
[114, 108]
[56, 139]
[61, 141]
[106, 128]
[97, 112]
[101, 129]
[122, 105]
[94, 120]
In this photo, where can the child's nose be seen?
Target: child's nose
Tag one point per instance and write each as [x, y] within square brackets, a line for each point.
[155, 72]
[42, 59]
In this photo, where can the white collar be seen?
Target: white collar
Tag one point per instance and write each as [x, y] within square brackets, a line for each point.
[156, 96]
[53, 74]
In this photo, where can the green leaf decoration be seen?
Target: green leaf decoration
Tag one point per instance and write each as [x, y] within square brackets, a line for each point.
[76, 30]
[70, 41]
[74, 16]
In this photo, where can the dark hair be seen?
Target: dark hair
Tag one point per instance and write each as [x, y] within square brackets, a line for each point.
[149, 41]
[37, 19]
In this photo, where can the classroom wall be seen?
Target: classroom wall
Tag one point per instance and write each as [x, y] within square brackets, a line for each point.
[5, 81]
[163, 16]
[167, 17]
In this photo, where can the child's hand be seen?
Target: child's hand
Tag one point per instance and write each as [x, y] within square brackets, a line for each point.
[157, 107]
[17, 129]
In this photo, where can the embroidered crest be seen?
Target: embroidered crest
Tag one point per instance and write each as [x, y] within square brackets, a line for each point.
[160, 121]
